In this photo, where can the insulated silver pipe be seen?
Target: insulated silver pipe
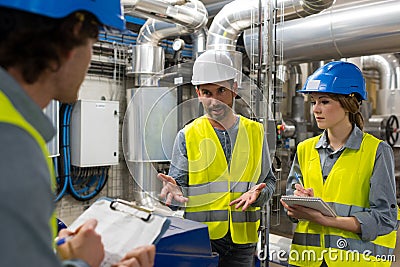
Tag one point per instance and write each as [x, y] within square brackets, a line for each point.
[167, 18]
[388, 67]
[153, 31]
[238, 15]
[351, 30]
[189, 13]
[214, 6]
[301, 9]
[199, 39]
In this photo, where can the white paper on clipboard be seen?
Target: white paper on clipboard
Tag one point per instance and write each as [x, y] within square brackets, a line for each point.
[122, 228]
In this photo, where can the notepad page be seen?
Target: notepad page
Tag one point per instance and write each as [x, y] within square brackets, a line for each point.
[120, 231]
[310, 202]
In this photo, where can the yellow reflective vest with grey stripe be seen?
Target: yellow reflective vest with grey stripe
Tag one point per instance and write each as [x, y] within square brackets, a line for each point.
[347, 189]
[9, 114]
[213, 185]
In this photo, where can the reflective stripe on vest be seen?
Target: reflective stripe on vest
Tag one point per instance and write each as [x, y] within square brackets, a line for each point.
[219, 187]
[222, 215]
[208, 216]
[8, 114]
[307, 239]
[338, 192]
[212, 186]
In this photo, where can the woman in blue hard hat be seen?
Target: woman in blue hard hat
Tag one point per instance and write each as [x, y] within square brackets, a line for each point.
[45, 51]
[351, 170]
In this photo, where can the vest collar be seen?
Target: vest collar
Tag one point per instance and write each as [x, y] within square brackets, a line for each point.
[354, 141]
[24, 104]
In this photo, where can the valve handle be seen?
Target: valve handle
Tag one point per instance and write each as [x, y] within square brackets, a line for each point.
[392, 130]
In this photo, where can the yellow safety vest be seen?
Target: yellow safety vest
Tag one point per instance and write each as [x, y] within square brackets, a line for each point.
[212, 186]
[9, 114]
[347, 189]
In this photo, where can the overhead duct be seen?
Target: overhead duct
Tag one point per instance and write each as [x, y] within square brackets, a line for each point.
[388, 67]
[238, 15]
[188, 13]
[214, 6]
[298, 9]
[147, 56]
[342, 31]
[153, 31]
[199, 40]
[168, 18]
[388, 95]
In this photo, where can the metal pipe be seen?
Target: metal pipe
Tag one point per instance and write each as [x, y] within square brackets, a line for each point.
[238, 15]
[190, 13]
[388, 67]
[342, 31]
[214, 6]
[153, 31]
[199, 40]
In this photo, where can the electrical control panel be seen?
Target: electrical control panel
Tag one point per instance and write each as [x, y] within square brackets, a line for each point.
[94, 133]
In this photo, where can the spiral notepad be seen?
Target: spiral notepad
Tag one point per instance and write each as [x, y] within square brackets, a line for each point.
[310, 202]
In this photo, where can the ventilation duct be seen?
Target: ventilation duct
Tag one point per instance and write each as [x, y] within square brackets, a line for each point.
[199, 39]
[388, 95]
[167, 18]
[342, 31]
[388, 67]
[238, 15]
[188, 13]
[153, 31]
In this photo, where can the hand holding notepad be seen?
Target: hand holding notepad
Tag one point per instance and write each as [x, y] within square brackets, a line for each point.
[310, 202]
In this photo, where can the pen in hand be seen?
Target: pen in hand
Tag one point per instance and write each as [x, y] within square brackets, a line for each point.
[309, 192]
[62, 240]
[298, 179]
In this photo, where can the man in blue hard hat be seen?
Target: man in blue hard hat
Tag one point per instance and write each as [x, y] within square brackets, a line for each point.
[45, 51]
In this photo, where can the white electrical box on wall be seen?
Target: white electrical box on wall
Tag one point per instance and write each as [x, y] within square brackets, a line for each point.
[94, 132]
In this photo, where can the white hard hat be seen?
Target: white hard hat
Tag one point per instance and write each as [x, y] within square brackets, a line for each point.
[213, 66]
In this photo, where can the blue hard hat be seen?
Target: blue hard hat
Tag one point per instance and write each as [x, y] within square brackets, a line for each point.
[337, 77]
[108, 12]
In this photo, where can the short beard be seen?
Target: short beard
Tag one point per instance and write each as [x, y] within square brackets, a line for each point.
[218, 118]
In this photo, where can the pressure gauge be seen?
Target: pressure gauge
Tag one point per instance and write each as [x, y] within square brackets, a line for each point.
[178, 44]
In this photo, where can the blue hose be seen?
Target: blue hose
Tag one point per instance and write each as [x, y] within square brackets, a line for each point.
[81, 187]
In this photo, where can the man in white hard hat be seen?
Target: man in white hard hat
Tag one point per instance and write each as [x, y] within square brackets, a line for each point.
[220, 165]
[45, 51]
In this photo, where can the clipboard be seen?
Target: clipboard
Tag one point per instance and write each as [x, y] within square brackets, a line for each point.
[123, 226]
[310, 202]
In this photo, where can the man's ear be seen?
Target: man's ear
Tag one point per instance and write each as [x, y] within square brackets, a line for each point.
[197, 91]
[235, 89]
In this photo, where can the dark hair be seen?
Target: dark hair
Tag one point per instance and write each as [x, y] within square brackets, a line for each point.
[352, 105]
[33, 43]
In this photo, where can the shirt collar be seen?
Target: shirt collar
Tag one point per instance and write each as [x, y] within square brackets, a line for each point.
[353, 142]
[31, 112]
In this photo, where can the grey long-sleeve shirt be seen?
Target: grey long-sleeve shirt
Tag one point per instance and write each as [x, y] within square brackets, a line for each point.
[227, 138]
[26, 199]
[381, 217]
